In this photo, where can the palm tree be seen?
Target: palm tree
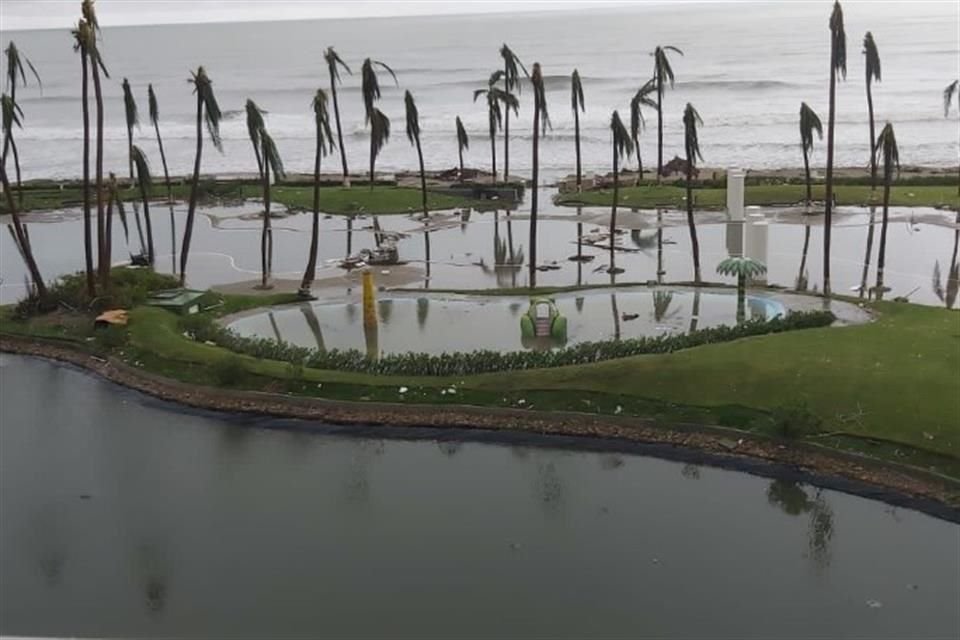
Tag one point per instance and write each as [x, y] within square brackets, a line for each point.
[576, 104]
[144, 181]
[952, 88]
[19, 231]
[809, 123]
[637, 124]
[662, 71]
[511, 81]
[463, 142]
[541, 120]
[83, 36]
[96, 66]
[132, 118]
[379, 134]
[207, 111]
[323, 147]
[11, 117]
[886, 146]
[255, 125]
[495, 97]
[838, 62]
[743, 268]
[333, 67]
[15, 70]
[413, 135]
[379, 123]
[155, 121]
[692, 146]
[271, 163]
[622, 148]
[873, 73]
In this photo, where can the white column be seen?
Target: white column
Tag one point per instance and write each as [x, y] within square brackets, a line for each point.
[735, 212]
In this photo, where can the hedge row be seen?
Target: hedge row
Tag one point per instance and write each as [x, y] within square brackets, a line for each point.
[485, 361]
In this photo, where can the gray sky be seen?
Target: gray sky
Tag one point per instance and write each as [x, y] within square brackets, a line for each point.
[48, 14]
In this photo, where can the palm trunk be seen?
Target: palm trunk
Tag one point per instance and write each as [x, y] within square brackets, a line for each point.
[873, 140]
[163, 159]
[533, 195]
[87, 225]
[20, 235]
[146, 219]
[882, 252]
[130, 150]
[311, 271]
[659, 126]
[108, 224]
[660, 270]
[801, 280]
[266, 237]
[828, 205]
[10, 144]
[506, 145]
[460, 152]
[636, 143]
[806, 171]
[741, 297]
[423, 179]
[373, 159]
[869, 252]
[613, 208]
[576, 144]
[103, 260]
[694, 243]
[493, 150]
[194, 192]
[336, 116]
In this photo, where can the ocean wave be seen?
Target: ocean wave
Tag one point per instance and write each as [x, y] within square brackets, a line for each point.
[740, 85]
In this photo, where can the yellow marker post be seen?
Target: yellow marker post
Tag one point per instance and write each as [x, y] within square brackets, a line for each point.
[370, 328]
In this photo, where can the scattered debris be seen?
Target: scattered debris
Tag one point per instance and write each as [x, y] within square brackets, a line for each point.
[874, 604]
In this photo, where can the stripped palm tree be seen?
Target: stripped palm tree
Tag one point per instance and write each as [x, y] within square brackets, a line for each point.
[132, 120]
[636, 126]
[662, 73]
[809, 124]
[463, 142]
[576, 104]
[16, 75]
[541, 120]
[952, 88]
[83, 36]
[622, 148]
[379, 129]
[873, 73]
[155, 121]
[334, 63]
[413, 135]
[886, 147]
[838, 62]
[324, 145]
[255, 125]
[743, 268]
[495, 98]
[11, 115]
[145, 182]
[511, 80]
[692, 146]
[207, 111]
[271, 164]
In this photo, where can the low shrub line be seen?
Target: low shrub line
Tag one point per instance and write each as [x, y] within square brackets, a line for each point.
[204, 329]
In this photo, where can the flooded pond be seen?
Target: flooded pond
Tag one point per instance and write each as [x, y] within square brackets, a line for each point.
[442, 323]
[125, 517]
[484, 250]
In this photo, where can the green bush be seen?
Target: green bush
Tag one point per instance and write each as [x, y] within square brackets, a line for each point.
[796, 421]
[128, 288]
[467, 363]
[110, 337]
[228, 370]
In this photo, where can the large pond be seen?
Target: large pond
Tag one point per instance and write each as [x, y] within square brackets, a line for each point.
[124, 517]
[483, 250]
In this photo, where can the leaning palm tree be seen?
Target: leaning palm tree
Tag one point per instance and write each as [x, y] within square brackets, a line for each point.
[132, 119]
[207, 111]
[886, 146]
[873, 73]
[144, 181]
[495, 98]
[11, 117]
[271, 164]
[83, 35]
[576, 104]
[511, 80]
[96, 66]
[838, 62]
[743, 268]
[255, 125]
[636, 125]
[809, 124]
[662, 72]
[21, 237]
[333, 67]
[155, 121]
[324, 146]
[413, 135]
[16, 75]
[622, 148]
[952, 88]
[541, 120]
[379, 134]
[463, 142]
[692, 146]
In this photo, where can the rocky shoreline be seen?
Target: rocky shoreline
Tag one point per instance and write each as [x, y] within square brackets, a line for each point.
[716, 446]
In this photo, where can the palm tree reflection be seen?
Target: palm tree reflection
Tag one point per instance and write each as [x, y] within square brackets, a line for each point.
[794, 500]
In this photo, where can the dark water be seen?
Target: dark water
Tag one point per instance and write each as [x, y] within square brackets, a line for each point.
[121, 517]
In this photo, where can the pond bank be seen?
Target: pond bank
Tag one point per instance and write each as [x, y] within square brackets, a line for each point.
[896, 484]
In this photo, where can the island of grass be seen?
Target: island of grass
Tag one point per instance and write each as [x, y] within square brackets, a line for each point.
[885, 390]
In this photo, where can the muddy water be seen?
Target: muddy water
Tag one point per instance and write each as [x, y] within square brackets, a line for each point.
[124, 517]
[472, 250]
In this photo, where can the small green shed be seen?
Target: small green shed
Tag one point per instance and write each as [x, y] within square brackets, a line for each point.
[182, 301]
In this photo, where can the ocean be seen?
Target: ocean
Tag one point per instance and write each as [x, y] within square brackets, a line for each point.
[746, 68]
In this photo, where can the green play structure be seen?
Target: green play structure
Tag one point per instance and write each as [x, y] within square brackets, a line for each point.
[542, 326]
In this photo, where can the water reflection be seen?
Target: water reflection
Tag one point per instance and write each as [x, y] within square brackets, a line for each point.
[314, 325]
[947, 292]
[864, 288]
[794, 500]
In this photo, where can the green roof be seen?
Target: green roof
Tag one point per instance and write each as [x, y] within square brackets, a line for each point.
[174, 297]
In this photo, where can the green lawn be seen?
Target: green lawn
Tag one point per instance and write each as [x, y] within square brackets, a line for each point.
[651, 195]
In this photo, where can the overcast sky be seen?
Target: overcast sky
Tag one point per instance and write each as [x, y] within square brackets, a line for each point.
[49, 14]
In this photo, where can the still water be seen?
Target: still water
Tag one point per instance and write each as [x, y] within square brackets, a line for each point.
[124, 517]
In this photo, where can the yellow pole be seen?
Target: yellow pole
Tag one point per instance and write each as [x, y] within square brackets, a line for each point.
[370, 328]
